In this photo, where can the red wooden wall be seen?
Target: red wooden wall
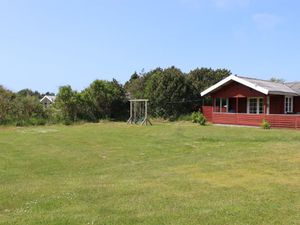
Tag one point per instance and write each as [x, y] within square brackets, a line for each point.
[280, 121]
[297, 104]
[276, 104]
[235, 89]
[276, 118]
[207, 112]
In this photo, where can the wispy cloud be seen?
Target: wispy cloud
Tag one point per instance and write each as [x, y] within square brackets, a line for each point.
[266, 21]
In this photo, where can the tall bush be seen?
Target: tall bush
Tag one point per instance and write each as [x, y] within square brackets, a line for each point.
[199, 118]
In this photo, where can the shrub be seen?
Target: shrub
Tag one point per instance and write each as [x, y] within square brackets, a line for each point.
[67, 122]
[198, 117]
[185, 117]
[37, 121]
[30, 122]
[21, 123]
[265, 124]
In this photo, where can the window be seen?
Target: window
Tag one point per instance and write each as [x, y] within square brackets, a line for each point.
[256, 105]
[221, 105]
[253, 105]
[288, 104]
[224, 105]
[261, 105]
[218, 103]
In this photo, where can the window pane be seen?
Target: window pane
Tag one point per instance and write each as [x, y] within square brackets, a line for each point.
[224, 101]
[217, 106]
[261, 105]
[223, 104]
[253, 105]
[288, 104]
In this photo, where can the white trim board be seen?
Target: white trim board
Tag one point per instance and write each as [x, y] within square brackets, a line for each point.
[47, 97]
[291, 105]
[257, 105]
[237, 79]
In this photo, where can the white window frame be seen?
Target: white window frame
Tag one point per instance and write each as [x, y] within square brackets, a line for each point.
[227, 104]
[291, 106]
[257, 105]
[268, 105]
[220, 105]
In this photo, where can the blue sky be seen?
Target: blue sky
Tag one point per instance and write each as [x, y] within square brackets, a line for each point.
[49, 43]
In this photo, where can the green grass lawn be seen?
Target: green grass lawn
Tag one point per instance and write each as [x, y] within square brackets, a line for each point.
[170, 173]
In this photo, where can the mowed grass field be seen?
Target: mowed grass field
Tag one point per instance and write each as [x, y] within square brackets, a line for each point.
[170, 173]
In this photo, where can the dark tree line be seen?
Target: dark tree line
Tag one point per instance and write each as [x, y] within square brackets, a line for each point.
[22, 108]
[171, 93]
[101, 100]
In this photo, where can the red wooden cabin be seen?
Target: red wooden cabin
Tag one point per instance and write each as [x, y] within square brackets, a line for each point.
[247, 101]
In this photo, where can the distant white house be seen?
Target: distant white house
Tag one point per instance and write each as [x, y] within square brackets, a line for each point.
[47, 100]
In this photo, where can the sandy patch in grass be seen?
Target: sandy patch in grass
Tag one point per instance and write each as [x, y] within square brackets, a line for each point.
[37, 130]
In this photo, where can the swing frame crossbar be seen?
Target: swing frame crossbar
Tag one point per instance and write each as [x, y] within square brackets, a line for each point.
[133, 119]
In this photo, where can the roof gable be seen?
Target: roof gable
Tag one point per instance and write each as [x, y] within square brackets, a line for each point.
[51, 98]
[262, 86]
[226, 80]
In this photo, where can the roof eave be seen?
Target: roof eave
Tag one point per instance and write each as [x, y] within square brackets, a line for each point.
[283, 93]
[237, 79]
[47, 97]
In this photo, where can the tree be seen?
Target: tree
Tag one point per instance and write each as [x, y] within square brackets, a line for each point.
[135, 86]
[205, 77]
[28, 92]
[168, 92]
[119, 101]
[67, 102]
[27, 107]
[277, 80]
[134, 76]
[48, 93]
[100, 96]
[22, 108]
[104, 99]
[6, 98]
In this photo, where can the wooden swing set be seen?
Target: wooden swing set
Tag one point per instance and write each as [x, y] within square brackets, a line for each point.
[139, 112]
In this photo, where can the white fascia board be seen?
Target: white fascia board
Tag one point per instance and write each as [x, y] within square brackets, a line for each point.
[43, 98]
[283, 93]
[237, 79]
[47, 98]
[217, 85]
[251, 85]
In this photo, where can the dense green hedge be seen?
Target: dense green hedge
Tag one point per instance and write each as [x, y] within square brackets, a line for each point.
[171, 92]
